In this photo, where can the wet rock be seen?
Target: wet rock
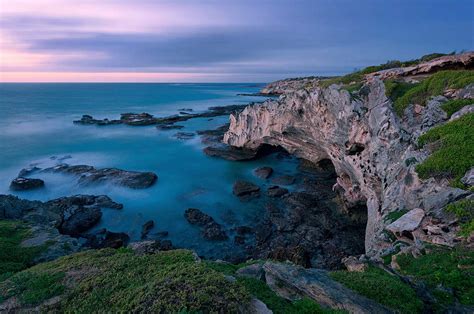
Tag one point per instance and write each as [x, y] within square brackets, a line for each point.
[211, 230]
[137, 119]
[169, 126]
[283, 180]
[147, 226]
[186, 109]
[184, 135]
[28, 171]
[276, 191]
[89, 174]
[243, 230]
[106, 239]
[244, 189]
[263, 172]
[468, 178]
[77, 219]
[24, 184]
[230, 153]
[408, 222]
[293, 283]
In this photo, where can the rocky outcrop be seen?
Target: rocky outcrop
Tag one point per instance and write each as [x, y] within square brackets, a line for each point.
[245, 190]
[89, 175]
[211, 230]
[104, 239]
[24, 184]
[362, 137]
[288, 85]
[293, 283]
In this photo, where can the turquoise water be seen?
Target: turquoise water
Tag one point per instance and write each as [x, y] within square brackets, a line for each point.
[36, 128]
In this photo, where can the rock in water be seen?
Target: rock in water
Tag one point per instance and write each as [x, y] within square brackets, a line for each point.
[24, 184]
[284, 180]
[263, 172]
[276, 191]
[89, 174]
[104, 238]
[147, 226]
[77, 219]
[184, 135]
[211, 230]
[244, 189]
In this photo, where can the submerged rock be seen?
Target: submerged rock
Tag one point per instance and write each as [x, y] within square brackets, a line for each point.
[276, 191]
[89, 174]
[283, 180]
[169, 126]
[211, 230]
[184, 135]
[263, 172]
[24, 184]
[146, 228]
[244, 189]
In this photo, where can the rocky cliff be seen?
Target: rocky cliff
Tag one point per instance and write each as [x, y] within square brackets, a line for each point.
[373, 151]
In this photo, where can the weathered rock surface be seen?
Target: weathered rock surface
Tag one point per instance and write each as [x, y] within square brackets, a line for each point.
[89, 174]
[283, 180]
[361, 136]
[408, 222]
[211, 230]
[468, 178]
[244, 189]
[24, 184]
[150, 247]
[106, 239]
[263, 172]
[276, 191]
[230, 153]
[292, 282]
[465, 110]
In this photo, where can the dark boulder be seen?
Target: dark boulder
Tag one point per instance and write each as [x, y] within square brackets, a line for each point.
[106, 239]
[276, 191]
[77, 219]
[243, 230]
[147, 226]
[263, 172]
[211, 230]
[196, 217]
[169, 126]
[184, 135]
[244, 189]
[283, 180]
[230, 153]
[24, 184]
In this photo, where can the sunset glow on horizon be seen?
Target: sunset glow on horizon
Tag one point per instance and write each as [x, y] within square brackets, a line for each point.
[218, 41]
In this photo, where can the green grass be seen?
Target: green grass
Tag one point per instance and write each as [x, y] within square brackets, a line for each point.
[391, 217]
[120, 281]
[452, 269]
[464, 211]
[13, 257]
[454, 105]
[455, 155]
[382, 287]
[277, 304]
[433, 86]
[228, 268]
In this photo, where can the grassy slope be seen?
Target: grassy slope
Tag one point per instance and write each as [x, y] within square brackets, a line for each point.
[455, 154]
[13, 257]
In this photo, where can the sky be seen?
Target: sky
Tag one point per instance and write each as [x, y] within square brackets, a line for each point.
[220, 41]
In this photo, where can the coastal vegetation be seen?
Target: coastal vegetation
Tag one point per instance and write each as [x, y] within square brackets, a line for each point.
[464, 211]
[453, 153]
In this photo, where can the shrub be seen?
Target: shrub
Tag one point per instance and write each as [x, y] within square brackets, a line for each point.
[441, 269]
[455, 154]
[382, 287]
[464, 211]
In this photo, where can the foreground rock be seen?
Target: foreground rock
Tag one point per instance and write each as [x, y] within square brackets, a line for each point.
[24, 184]
[151, 247]
[245, 190]
[292, 282]
[263, 172]
[211, 230]
[89, 174]
[106, 239]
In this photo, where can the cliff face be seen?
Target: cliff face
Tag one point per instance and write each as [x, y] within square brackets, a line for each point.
[372, 153]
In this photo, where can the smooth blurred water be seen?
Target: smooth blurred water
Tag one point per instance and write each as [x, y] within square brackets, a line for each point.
[36, 124]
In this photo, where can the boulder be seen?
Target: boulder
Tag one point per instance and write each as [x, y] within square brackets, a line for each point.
[147, 226]
[263, 172]
[184, 135]
[24, 184]
[211, 230]
[77, 219]
[463, 111]
[283, 180]
[230, 153]
[468, 178]
[276, 191]
[196, 217]
[245, 189]
[408, 222]
[353, 264]
[106, 239]
[293, 283]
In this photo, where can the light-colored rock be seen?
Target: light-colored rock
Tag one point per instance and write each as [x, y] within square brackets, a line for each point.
[468, 178]
[463, 111]
[257, 307]
[294, 282]
[252, 271]
[353, 264]
[408, 222]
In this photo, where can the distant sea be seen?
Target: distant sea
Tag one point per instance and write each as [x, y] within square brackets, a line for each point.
[36, 128]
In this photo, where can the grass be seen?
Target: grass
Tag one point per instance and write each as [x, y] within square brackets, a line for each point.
[277, 304]
[441, 269]
[14, 257]
[120, 281]
[464, 211]
[455, 154]
[454, 105]
[382, 287]
[433, 86]
[391, 217]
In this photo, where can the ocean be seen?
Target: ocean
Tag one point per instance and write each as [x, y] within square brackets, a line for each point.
[36, 128]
